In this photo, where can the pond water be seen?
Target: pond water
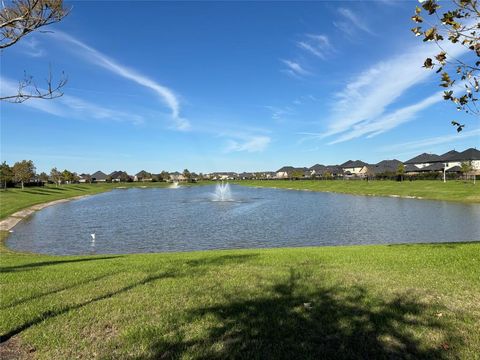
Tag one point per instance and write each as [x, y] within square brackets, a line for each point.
[203, 217]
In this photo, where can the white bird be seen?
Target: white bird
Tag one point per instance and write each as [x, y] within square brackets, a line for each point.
[93, 236]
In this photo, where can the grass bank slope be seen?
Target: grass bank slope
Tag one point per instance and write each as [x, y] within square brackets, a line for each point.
[425, 189]
[13, 200]
[397, 301]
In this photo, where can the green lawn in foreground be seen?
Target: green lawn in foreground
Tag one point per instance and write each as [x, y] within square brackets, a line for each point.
[454, 190]
[13, 200]
[399, 301]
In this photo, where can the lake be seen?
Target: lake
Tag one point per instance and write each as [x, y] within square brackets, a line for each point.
[194, 218]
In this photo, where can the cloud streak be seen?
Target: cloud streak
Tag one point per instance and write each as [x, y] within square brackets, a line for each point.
[425, 143]
[318, 45]
[351, 22]
[361, 107]
[253, 144]
[70, 106]
[294, 68]
[94, 56]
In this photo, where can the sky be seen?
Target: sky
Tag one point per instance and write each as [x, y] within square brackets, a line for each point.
[228, 86]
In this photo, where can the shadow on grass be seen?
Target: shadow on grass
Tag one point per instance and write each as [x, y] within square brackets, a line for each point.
[53, 313]
[291, 321]
[52, 262]
[193, 269]
[55, 291]
[220, 260]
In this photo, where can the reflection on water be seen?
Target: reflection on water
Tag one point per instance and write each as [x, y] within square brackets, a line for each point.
[155, 220]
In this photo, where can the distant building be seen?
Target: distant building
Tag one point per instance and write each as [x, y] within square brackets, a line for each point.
[354, 168]
[99, 176]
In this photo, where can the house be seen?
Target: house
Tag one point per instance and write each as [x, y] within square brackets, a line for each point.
[354, 168]
[423, 160]
[228, 175]
[99, 176]
[118, 176]
[177, 177]
[246, 176]
[288, 172]
[317, 170]
[451, 162]
[470, 156]
[84, 178]
[142, 176]
[385, 167]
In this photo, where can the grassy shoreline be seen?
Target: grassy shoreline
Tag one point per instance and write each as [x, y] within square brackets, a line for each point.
[376, 301]
[372, 301]
[454, 190]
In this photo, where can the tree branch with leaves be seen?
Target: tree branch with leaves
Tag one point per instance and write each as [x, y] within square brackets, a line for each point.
[460, 26]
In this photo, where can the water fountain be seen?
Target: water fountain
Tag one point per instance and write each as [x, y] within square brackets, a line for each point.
[222, 192]
[174, 185]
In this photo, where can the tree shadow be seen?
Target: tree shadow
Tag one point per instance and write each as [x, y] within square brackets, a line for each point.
[30, 266]
[220, 260]
[53, 313]
[289, 321]
[55, 291]
[176, 270]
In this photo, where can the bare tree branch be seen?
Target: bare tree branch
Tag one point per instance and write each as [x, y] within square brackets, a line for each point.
[18, 19]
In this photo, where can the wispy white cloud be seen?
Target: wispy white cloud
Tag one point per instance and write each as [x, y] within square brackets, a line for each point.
[69, 106]
[96, 57]
[294, 68]
[388, 121]
[351, 23]
[437, 140]
[361, 106]
[31, 47]
[253, 144]
[279, 113]
[318, 45]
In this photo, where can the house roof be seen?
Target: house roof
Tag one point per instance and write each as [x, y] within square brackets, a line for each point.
[448, 155]
[99, 175]
[455, 169]
[286, 169]
[353, 164]
[385, 166]
[411, 168]
[434, 167]
[467, 155]
[117, 174]
[317, 167]
[142, 173]
[423, 158]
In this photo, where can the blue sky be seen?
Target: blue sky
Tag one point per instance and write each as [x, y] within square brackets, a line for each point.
[228, 86]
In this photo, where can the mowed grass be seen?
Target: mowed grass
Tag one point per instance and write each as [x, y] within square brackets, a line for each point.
[454, 190]
[12, 200]
[391, 301]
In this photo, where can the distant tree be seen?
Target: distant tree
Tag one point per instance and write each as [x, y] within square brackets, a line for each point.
[164, 175]
[43, 177]
[327, 175]
[187, 174]
[297, 174]
[19, 18]
[23, 171]
[370, 174]
[88, 178]
[465, 168]
[56, 176]
[459, 25]
[124, 177]
[67, 176]
[401, 171]
[6, 174]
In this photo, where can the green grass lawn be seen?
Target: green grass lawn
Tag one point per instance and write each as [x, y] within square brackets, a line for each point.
[359, 302]
[454, 190]
[385, 301]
